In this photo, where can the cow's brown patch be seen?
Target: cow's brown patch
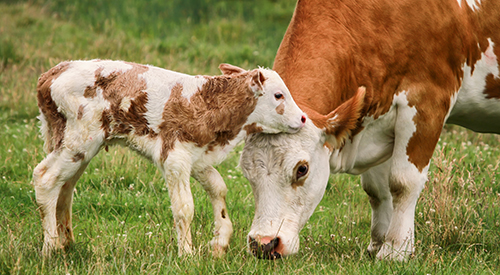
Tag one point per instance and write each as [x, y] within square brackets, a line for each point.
[56, 122]
[280, 109]
[340, 123]
[492, 89]
[429, 121]
[80, 112]
[328, 146]
[252, 129]
[213, 116]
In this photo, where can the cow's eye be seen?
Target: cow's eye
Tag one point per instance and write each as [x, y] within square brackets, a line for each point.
[278, 95]
[302, 171]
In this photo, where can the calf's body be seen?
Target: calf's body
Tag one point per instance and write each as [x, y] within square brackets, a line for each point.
[183, 123]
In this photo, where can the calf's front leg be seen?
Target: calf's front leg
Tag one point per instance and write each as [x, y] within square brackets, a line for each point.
[177, 173]
[216, 189]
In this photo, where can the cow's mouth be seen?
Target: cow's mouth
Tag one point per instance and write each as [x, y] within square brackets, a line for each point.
[267, 251]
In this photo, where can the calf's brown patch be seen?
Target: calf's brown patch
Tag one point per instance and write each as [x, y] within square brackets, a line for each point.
[213, 116]
[115, 87]
[280, 109]
[80, 112]
[78, 156]
[56, 122]
[252, 129]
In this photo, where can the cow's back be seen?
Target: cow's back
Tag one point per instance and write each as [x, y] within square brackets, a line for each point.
[389, 47]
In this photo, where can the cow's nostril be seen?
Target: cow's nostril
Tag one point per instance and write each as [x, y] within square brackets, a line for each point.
[303, 119]
[265, 248]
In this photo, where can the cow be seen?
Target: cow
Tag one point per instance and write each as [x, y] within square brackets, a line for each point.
[378, 80]
[184, 124]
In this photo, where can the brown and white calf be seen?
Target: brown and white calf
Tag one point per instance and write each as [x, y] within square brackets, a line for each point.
[183, 123]
[378, 80]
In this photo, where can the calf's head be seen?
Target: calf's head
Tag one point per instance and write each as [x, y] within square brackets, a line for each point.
[275, 111]
[289, 173]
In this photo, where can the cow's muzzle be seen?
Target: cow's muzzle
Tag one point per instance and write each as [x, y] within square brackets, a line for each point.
[265, 248]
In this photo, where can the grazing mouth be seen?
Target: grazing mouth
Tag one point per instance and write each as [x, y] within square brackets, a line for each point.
[265, 251]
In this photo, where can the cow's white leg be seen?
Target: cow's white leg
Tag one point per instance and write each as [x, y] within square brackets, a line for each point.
[376, 184]
[405, 186]
[216, 189]
[54, 180]
[416, 135]
[177, 171]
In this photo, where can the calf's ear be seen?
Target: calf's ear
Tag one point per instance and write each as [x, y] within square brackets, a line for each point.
[257, 82]
[341, 123]
[228, 69]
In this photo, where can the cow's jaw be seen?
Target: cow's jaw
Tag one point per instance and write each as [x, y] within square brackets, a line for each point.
[283, 204]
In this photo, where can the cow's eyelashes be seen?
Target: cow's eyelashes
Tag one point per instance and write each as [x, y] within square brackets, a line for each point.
[302, 171]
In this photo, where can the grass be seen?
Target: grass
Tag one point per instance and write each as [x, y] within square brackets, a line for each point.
[122, 217]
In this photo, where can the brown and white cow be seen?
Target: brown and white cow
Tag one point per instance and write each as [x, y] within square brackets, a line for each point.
[183, 123]
[378, 80]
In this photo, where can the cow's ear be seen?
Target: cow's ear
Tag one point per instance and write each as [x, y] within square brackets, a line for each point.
[228, 69]
[341, 123]
[257, 79]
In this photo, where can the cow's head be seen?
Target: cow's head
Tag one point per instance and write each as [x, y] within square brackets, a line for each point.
[289, 174]
[276, 111]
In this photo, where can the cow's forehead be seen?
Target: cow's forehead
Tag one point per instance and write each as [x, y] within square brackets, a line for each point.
[309, 135]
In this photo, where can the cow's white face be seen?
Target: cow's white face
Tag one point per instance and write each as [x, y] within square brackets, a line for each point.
[276, 111]
[288, 174]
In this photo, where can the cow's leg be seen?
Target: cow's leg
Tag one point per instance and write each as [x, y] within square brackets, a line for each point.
[216, 189]
[54, 179]
[376, 184]
[418, 127]
[177, 171]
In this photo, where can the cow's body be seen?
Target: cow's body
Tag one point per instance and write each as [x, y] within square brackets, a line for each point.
[423, 63]
[183, 123]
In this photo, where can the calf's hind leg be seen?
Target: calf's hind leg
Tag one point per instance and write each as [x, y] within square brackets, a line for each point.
[216, 189]
[54, 179]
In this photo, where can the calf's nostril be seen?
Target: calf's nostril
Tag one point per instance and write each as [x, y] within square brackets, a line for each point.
[303, 119]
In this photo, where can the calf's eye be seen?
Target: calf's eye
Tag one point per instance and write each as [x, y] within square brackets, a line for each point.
[278, 95]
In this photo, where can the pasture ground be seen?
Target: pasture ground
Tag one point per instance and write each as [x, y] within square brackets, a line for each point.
[121, 213]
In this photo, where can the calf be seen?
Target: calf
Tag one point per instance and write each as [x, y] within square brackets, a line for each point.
[183, 123]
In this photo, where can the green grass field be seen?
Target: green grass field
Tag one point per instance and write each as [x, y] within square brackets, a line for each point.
[121, 213]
